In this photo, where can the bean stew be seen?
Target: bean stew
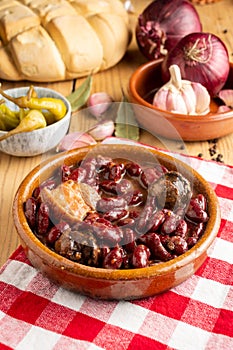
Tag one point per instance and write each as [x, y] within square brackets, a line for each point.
[115, 213]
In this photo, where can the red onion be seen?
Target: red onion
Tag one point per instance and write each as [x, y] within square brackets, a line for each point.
[202, 58]
[163, 23]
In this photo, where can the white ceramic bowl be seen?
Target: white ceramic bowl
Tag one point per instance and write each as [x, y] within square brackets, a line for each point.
[37, 141]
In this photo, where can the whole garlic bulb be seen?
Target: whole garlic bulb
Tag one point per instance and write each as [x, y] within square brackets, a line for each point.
[182, 96]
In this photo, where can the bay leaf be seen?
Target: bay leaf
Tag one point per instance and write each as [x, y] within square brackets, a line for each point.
[126, 125]
[79, 97]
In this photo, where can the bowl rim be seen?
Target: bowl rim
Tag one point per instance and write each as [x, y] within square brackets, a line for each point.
[59, 95]
[170, 115]
[60, 262]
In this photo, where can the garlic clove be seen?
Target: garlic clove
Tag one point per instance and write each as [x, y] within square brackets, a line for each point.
[189, 97]
[102, 130]
[75, 140]
[179, 104]
[223, 109]
[160, 99]
[175, 103]
[171, 102]
[202, 99]
[99, 103]
[226, 95]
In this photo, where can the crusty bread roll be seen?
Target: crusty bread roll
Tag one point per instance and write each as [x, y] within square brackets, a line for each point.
[54, 40]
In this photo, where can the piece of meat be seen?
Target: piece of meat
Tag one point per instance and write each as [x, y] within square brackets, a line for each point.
[171, 191]
[66, 202]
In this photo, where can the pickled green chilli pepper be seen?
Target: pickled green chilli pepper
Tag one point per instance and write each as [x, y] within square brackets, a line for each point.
[32, 121]
[56, 106]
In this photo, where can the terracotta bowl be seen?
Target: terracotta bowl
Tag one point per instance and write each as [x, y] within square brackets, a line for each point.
[38, 141]
[108, 283]
[143, 84]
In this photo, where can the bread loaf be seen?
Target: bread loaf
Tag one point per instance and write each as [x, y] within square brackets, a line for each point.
[54, 40]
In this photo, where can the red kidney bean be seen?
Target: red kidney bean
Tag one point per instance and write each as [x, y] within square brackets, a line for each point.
[103, 252]
[91, 217]
[89, 160]
[177, 245]
[158, 251]
[102, 161]
[149, 175]
[36, 192]
[124, 186]
[194, 232]
[134, 214]
[126, 261]
[108, 186]
[128, 240]
[182, 229]
[114, 215]
[55, 232]
[191, 241]
[144, 223]
[30, 210]
[93, 182]
[50, 184]
[114, 259]
[78, 174]
[42, 219]
[107, 234]
[151, 201]
[140, 256]
[164, 239]
[171, 223]
[195, 211]
[107, 204]
[157, 220]
[135, 197]
[104, 221]
[114, 172]
[201, 200]
[112, 187]
[65, 172]
[133, 169]
[143, 180]
[90, 169]
[129, 222]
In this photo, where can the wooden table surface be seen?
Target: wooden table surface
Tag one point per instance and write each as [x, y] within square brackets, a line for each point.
[216, 18]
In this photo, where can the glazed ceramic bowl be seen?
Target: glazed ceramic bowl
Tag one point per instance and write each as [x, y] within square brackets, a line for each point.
[37, 141]
[143, 84]
[109, 283]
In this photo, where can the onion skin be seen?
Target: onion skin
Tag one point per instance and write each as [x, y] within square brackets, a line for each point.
[162, 24]
[202, 58]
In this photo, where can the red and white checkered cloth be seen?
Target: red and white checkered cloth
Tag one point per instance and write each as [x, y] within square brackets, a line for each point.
[198, 314]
